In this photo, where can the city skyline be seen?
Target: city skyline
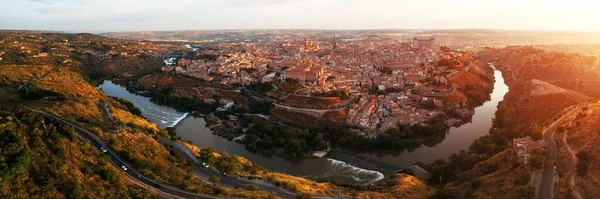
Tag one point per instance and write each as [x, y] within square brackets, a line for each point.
[156, 15]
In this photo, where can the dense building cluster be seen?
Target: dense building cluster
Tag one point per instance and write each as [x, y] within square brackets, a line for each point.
[390, 80]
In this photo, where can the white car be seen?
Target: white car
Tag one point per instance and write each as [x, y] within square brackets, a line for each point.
[205, 165]
[103, 150]
[124, 168]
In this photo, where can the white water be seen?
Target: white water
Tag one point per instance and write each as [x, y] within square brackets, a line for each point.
[160, 115]
[195, 130]
[176, 121]
[337, 168]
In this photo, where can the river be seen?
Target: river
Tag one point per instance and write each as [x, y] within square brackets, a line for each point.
[457, 139]
[334, 166]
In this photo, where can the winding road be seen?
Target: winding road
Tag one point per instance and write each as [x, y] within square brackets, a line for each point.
[230, 181]
[198, 170]
[547, 183]
[131, 172]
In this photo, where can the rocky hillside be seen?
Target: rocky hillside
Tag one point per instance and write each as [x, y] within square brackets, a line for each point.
[534, 102]
[476, 83]
[540, 85]
[129, 65]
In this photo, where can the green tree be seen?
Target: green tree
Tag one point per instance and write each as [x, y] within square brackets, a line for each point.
[15, 156]
[525, 192]
[253, 187]
[172, 132]
[214, 179]
[536, 161]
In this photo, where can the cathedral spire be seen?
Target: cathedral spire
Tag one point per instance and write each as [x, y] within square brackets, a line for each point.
[335, 43]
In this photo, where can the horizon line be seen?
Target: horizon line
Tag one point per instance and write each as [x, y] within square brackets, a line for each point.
[308, 29]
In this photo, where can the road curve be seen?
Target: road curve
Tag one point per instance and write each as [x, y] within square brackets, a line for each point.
[230, 181]
[547, 182]
[130, 172]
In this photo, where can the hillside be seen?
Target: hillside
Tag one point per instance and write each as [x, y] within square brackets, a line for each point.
[533, 102]
[45, 159]
[476, 83]
[497, 177]
[130, 136]
[540, 85]
[400, 186]
[489, 169]
[33, 163]
[578, 154]
[129, 65]
[62, 90]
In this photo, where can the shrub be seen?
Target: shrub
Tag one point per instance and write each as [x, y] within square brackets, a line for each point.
[253, 187]
[475, 184]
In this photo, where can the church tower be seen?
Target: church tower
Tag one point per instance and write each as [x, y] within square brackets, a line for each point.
[335, 43]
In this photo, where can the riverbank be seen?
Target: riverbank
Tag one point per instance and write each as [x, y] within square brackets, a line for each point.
[358, 168]
[456, 139]
[195, 129]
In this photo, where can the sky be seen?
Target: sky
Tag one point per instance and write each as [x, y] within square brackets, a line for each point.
[153, 15]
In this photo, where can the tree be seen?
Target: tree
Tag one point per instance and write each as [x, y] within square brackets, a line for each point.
[522, 179]
[582, 168]
[228, 164]
[253, 187]
[214, 179]
[525, 191]
[583, 156]
[537, 151]
[475, 184]
[535, 132]
[172, 132]
[536, 162]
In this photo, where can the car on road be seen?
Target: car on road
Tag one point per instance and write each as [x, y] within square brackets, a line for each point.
[205, 165]
[103, 150]
[124, 168]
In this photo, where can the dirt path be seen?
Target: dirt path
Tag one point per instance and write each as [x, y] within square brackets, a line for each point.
[572, 182]
[547, 183]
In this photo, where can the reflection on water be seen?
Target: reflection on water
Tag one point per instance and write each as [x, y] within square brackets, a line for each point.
[457, 139]
[373, 165]
[195, 130]
[160, 115]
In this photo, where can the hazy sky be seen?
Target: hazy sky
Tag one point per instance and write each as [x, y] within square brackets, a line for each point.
[121, 15]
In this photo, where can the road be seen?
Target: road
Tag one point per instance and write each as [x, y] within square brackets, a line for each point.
[226, 180]
[182, 151]
[466, 68]
[131, 172]
[547, 184]
[34, 80]
[339, 106]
